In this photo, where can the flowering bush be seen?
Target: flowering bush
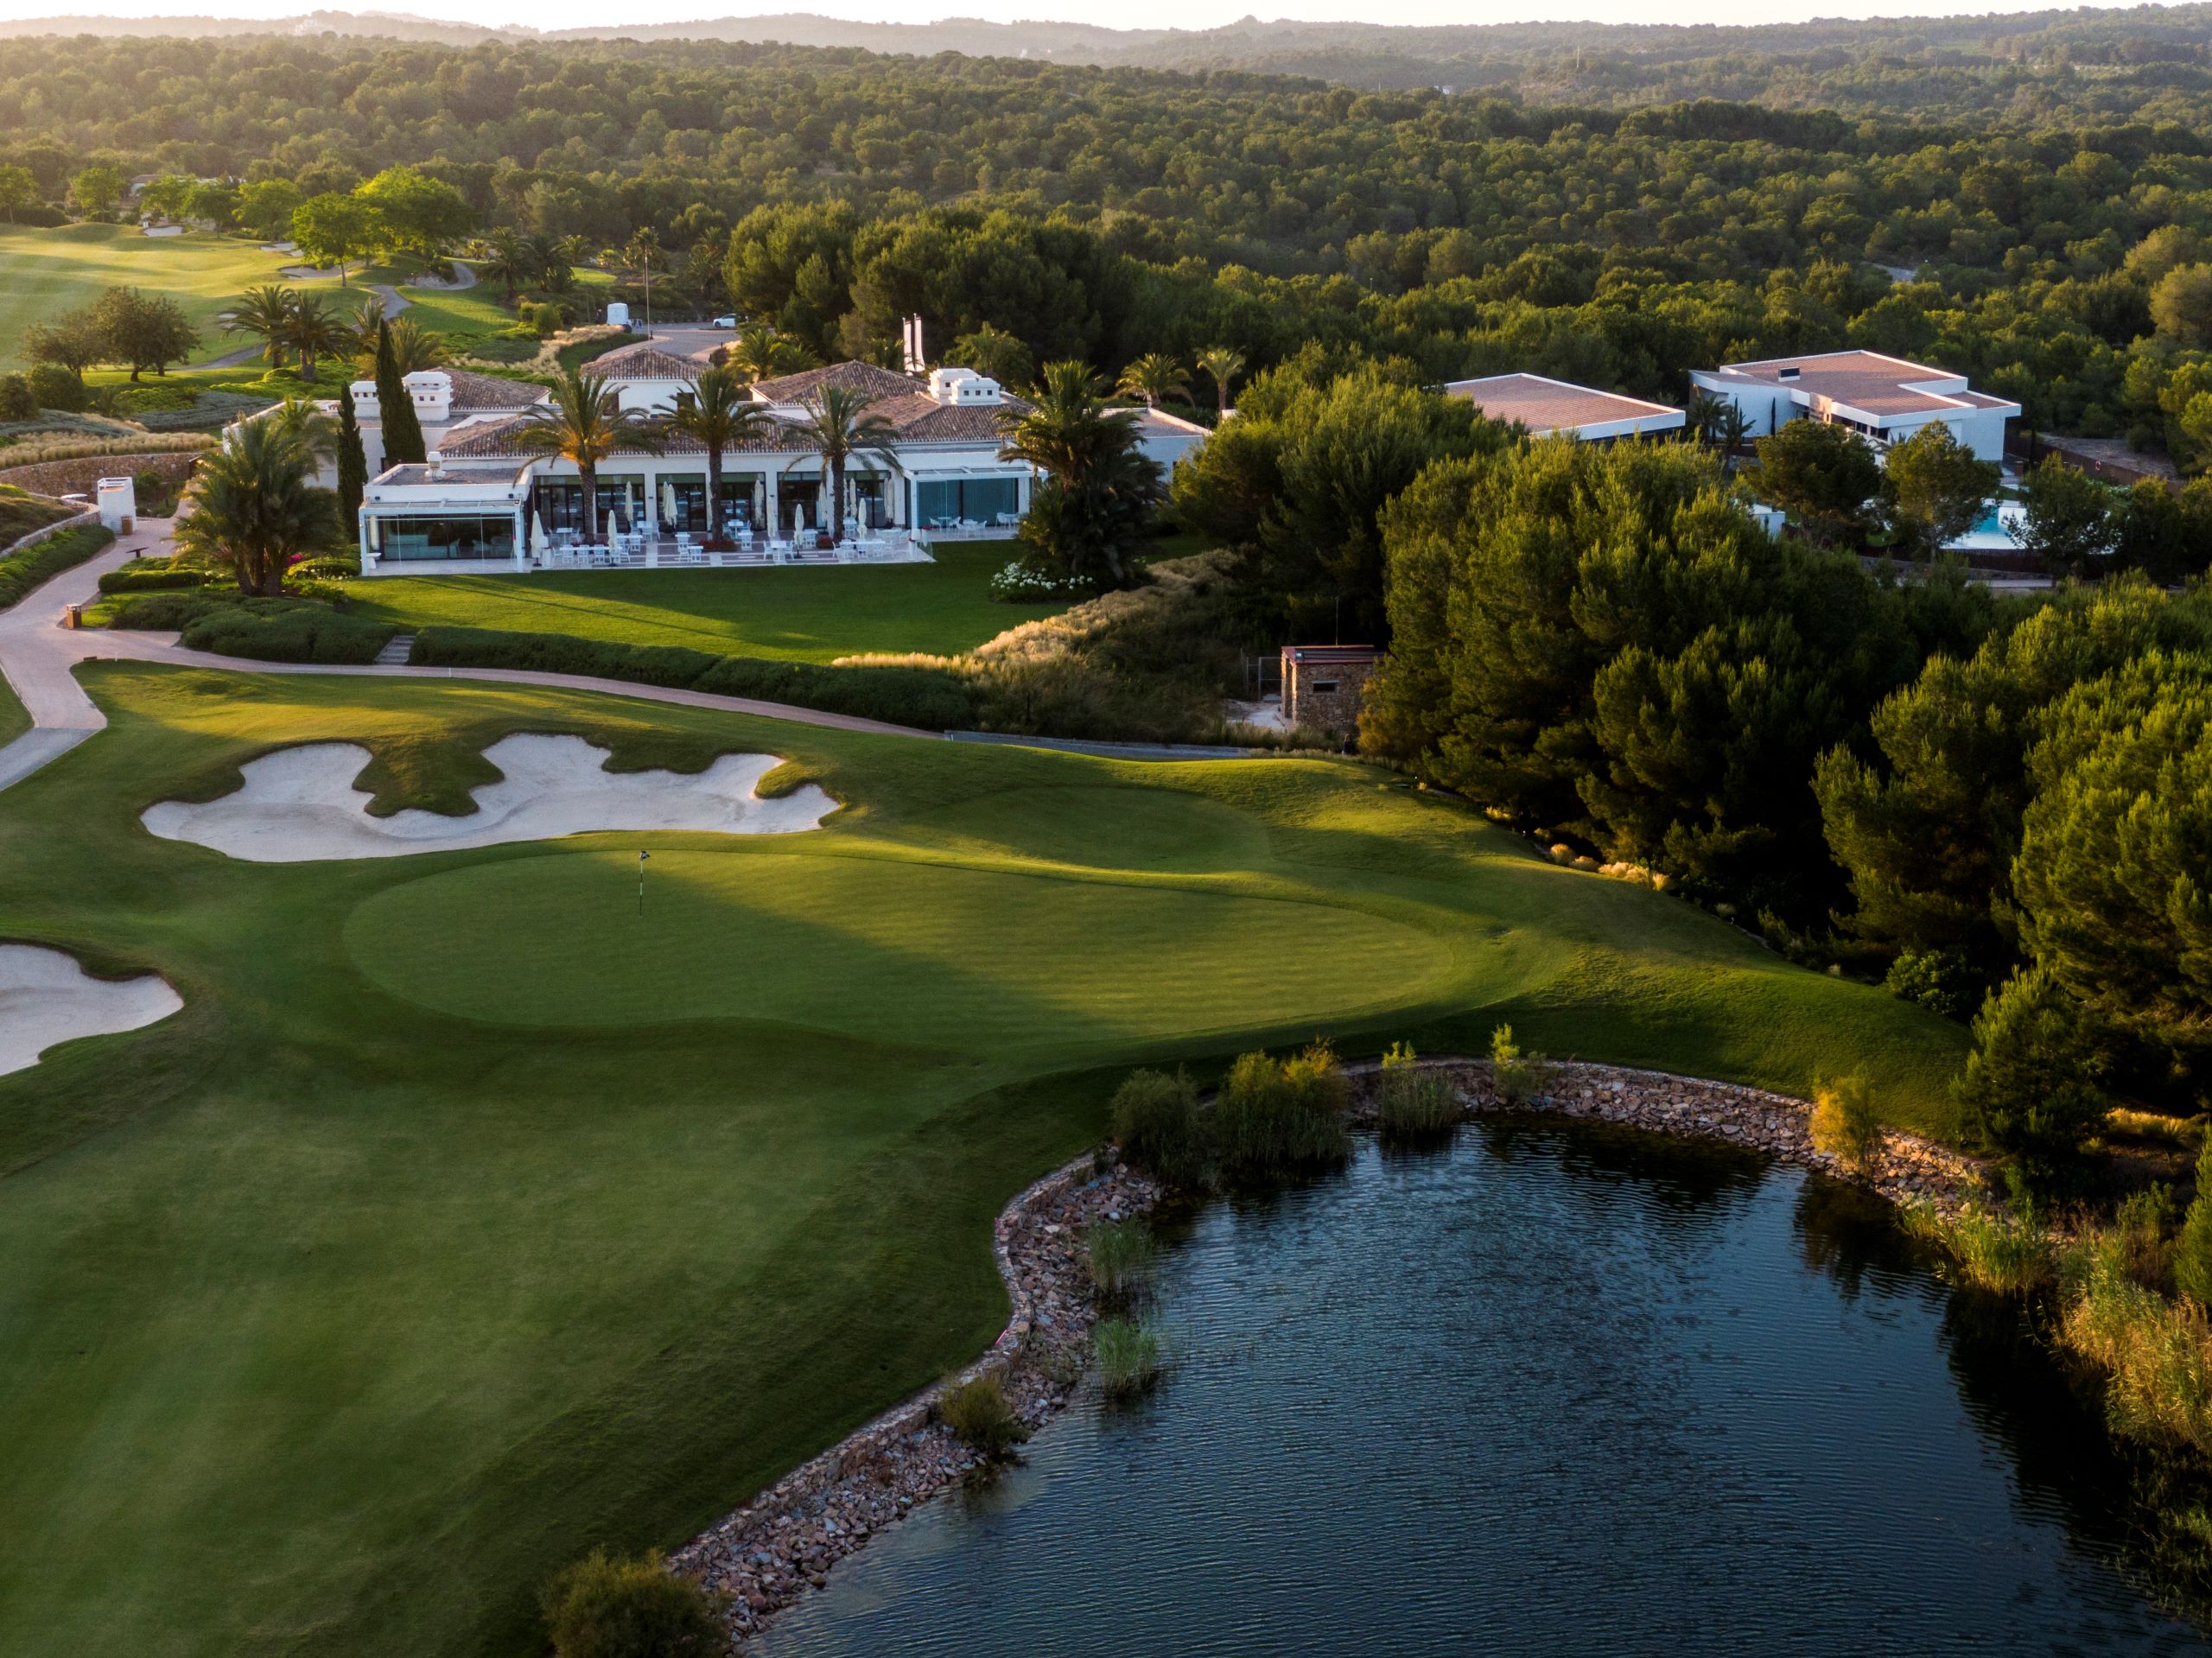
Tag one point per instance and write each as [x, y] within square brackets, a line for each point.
[1025, 582]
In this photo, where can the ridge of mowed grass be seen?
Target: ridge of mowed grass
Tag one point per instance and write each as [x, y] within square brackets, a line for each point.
[343, 1308]
[45, 271]
[790, 615]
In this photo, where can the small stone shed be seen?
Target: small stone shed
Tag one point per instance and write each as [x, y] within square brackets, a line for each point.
[1322, 685]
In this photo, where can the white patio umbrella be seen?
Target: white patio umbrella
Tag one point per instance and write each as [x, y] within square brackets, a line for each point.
[667, 504]
[376, 535]
[537, 536]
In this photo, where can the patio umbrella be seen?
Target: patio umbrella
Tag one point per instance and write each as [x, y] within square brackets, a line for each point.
[376, 535]
[537, 536]
[667, 504]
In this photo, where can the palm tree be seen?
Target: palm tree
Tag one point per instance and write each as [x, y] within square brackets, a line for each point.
[413, 345]
[584, 423]
[253, 505]
[1153, 377]
[1098, 487]
[1221, 363]
[301, 420]
[838, 427]
[759, 352]
[502, 258]
[542, 255]
[719, 414]
[310, 330]
[264, 312]
[367, 323]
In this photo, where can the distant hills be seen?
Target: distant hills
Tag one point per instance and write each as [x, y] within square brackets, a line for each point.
[1586, 61]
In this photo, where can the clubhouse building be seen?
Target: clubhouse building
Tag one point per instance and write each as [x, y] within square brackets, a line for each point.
[483, 503]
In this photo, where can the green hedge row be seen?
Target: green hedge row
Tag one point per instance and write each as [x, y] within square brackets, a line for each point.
[129, 581]
[263, 630]
[929, 698]
[30, 567]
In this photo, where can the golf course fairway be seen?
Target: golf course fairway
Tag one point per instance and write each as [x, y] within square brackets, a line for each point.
[467, 1218]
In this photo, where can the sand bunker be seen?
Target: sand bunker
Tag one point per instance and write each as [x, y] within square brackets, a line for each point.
[300, 805]
[47, 997]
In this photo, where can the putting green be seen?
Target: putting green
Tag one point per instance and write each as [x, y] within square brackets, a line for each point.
[977, 960]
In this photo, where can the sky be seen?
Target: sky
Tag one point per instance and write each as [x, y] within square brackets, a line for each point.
[1115, 13]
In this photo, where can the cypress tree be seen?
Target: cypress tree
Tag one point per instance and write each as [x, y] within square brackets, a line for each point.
[403, 433]
[2193, 1249]
[352, 464]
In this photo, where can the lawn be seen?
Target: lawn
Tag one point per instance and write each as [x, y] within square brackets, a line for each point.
[466, 1219]
[808, 615]
[45, 271]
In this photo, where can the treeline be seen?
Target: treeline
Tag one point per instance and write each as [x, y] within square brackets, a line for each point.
[1110, 213]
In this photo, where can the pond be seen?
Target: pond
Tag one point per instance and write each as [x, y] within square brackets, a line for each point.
[1552, 1388]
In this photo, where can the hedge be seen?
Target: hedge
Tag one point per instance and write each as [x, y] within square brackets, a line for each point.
[263, 630]
[295, 631]
[151, 580]
[931, 698]
[21, 572]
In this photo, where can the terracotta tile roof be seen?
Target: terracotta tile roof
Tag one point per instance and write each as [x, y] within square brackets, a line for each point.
[644, 361]
[857, 377]
[1545, 406]
[490, 391]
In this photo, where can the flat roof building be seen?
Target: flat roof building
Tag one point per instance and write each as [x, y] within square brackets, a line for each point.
[1885, 399]
[1546, 406]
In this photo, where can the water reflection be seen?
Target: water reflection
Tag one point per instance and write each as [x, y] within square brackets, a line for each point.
[1551, 1388]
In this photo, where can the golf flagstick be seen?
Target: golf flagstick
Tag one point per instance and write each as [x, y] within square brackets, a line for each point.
[642, 856]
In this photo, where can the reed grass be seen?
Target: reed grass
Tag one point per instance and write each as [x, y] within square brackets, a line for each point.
[1123, 1256]
[1276, 1116]
[983, 1418]
[1159, 1126]
[1128, 1357]
[1990, 1249]
[1518, 1075]
[2155, 1353]
[1410, 1103]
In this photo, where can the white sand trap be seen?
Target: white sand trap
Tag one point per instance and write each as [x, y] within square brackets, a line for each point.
[46, 997]
[300, 805]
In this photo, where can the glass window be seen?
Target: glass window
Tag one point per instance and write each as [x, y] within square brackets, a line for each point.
[947, 503]
[446, 538]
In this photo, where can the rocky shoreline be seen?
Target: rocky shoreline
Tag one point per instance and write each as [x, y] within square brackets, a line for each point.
[772, 1552]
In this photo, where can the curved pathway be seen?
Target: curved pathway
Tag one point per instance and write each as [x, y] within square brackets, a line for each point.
[394, 303]
[37, 655]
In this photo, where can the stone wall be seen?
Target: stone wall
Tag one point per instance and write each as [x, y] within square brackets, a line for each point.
[82, 476]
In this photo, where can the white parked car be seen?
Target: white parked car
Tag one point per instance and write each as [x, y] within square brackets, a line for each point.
[725, 322]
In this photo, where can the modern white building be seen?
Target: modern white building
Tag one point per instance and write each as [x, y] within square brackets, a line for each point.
[484, 502]
[1546, 406]
[1885, 399]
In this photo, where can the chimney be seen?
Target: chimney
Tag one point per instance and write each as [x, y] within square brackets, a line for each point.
[911, 339]
[432, 390]
[364, 400]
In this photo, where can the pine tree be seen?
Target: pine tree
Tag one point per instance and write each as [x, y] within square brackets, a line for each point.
[352, 464]
[403, 433]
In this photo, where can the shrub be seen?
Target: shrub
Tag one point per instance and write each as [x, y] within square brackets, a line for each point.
[1844, 1123]
[2143, 1228]
[1991, 1250]
[1122, 1255]
[1159, 1127]
[53, 386]
[1942, 980]
[276, 629]
[613, 1607]
[165, 579]
[88, 448]
[161, 611]
[1027, 582]
[1516, 1076]
[17, 402]
[1128, 1357]
[982, 1418]
[22, 571]
[1276, 1115]
[2031, 1088]
[1411, 1102]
